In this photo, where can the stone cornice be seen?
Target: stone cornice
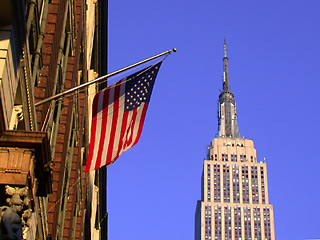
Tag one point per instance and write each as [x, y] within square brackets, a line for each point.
[38, 141]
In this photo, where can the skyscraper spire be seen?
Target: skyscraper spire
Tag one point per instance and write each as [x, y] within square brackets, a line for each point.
[228, 126]
[225, 68]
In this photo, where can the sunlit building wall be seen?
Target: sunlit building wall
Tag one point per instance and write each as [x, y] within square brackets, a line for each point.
[235, 202]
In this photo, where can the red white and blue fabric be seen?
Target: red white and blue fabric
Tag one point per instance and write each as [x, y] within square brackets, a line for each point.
[118, 114]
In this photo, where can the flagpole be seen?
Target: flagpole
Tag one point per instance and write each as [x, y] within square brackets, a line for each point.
[103, 77]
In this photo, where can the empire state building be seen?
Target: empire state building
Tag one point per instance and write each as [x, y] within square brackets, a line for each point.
[234, 198]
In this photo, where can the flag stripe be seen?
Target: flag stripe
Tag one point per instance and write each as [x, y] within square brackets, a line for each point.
[122, 134]
[117, 138]
[135, 126]
[138, 124]
[114, 123]
[141, 122]
[98, 116]
[93, 131]
[109, 122]
[103, 126]
[127, 130]
[131, 128]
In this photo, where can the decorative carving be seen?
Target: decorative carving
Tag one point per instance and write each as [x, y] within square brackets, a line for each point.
[27, 222]
[13, 220]
[49, 166]
[17, 116]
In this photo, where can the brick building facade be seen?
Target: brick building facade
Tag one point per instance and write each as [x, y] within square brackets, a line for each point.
[48, 47]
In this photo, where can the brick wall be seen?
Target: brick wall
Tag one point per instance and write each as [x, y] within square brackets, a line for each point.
[76, 190]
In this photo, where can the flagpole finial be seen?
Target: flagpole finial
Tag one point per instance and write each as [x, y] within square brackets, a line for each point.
[174, 50]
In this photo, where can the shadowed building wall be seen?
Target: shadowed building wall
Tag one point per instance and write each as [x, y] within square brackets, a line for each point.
[48, 47]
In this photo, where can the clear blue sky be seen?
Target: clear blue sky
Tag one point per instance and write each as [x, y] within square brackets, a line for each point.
[274, 56]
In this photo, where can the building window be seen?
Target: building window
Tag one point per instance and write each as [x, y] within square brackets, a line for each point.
[243, 158]
[257, 223]
[254, 182]
[247, 223]
[227, 223]
[237, 222]
[235, 183]
[245, 184]
[217, 190]
[209, 182]
[263, 191]
[224, 157]
[208, 216]
[217, 222]
[267, 223]
[226, 183]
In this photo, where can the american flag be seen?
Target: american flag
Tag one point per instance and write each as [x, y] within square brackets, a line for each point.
[118, 114]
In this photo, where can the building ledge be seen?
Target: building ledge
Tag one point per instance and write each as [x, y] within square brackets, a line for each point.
[38, 143]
